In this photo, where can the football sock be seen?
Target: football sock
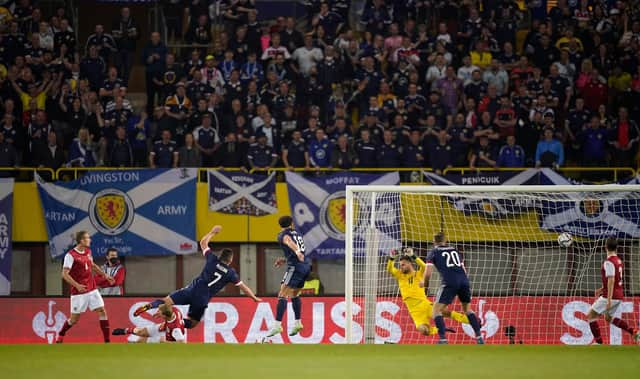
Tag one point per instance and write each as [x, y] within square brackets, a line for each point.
[187, 323]
[104, 326]
[297, 306]
[156, 303]
[65, 328]
[475, 324]
[595, 330]
[282, 306]
[622, 325]
[442, 329]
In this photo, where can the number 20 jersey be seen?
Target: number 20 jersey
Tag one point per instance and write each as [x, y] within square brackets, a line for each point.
[449, 264]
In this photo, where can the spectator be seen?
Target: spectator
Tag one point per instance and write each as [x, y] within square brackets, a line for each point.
[233, 150]
[261, 156]
[104, 43]
[366, 151]
[8, 155]
[414, 154]
[153, 57]
[450, 88]
[92, 67]
[320, 150]
[125, 34]
[496, 75]
[49, 154]
[390, 153]
[121, 153]
[624, 139]
[113, 268]
[306, 56]
[207, 140]
[189, 154]
[81, 152]
[484, 155]
[342, 156]
[511, 155]
[295, 154]
[593, 141]
[441, 154]
[164, 153]
[549, 152]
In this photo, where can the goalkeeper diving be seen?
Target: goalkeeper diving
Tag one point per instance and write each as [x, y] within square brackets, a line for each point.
[413, 296]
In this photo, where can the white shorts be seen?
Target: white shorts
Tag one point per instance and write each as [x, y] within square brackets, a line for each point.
[600, 306]
[92, 300]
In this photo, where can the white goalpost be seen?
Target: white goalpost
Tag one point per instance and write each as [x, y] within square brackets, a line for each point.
[527, 288]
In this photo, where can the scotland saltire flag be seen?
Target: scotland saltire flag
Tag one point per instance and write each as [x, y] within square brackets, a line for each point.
[6, 213]
[593, 215]
[240, 193]
[318, 208]
[138, 212]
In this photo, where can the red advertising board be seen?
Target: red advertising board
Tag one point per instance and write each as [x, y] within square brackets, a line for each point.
[548, 320]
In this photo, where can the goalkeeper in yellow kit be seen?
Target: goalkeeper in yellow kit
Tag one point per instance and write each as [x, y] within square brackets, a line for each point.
[418, 305]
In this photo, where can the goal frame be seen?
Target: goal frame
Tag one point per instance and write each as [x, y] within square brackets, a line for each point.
[351, 189]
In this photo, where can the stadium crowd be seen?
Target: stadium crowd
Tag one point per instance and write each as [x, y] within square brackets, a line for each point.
[413, 83]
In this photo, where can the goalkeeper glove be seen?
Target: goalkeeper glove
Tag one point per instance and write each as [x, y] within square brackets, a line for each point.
[393, 254]
[408, 252]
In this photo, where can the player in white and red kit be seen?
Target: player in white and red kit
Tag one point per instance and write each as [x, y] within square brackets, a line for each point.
[610, 295]
[173, 326]
[77, 270]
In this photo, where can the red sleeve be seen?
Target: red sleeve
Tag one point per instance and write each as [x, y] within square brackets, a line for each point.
[120, 275]
[100, 281]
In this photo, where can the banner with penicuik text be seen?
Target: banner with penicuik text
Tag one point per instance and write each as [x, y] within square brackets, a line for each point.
[6, 210]
[318, 208]
[241, 193]
[138, 212]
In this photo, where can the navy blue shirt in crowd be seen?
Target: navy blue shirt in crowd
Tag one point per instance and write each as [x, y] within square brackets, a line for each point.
[594, 144]
[410, 155]
[389, 155]
[320, 152]
[367, 154]
[163, 153]
[511, 156]
[295, 154]
[261, 155]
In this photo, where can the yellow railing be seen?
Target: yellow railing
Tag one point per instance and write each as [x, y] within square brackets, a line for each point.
[71, 173]
[21, 172]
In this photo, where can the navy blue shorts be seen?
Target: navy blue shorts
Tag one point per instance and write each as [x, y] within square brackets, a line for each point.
[196, 302]
[447, 293]
[295, 276]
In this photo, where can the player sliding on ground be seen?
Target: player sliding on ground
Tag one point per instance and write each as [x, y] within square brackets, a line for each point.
[610, 295]
[214, 277]
[419, 307]
[454, 283]
[172, 327]
[298, 269]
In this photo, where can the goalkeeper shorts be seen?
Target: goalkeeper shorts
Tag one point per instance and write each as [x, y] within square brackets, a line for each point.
[420, 311]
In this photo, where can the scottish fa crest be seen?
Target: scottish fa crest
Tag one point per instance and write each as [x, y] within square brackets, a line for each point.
[111, 211]
[333, 215]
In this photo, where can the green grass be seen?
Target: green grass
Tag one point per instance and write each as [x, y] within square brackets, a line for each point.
[192, 361]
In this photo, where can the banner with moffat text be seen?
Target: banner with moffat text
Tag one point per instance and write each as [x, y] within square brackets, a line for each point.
[138, 212]
[6, 213]
[241, 193]
[318, 208]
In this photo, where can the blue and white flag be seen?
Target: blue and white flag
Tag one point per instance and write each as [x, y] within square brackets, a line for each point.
[240, 193]
[593, 215]
[6, 213]
[138, 212]
[318, 208]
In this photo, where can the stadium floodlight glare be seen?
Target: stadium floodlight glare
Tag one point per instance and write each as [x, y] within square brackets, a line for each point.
[527, 288]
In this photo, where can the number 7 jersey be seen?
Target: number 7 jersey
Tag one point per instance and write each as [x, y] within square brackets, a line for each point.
[214, 276]
[449, 264]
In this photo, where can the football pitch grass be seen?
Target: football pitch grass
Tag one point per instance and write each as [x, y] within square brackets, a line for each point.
[265, 361]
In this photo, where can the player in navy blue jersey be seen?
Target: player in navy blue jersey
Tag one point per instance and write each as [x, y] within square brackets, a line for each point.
[298, 269]
[216, 273]
[455, 282]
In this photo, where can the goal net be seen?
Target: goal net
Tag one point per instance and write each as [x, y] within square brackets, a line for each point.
[526, 287]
